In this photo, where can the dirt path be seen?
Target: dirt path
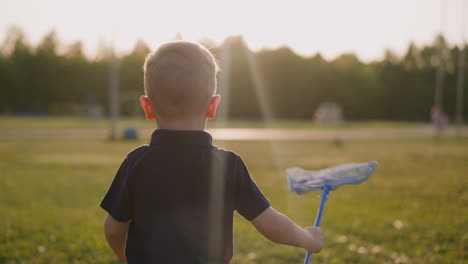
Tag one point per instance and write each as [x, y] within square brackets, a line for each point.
[242, 133]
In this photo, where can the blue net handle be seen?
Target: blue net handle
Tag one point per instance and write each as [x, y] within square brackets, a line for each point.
[318, 218]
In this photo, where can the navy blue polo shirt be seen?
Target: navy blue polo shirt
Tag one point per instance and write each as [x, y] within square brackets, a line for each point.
[180, 192]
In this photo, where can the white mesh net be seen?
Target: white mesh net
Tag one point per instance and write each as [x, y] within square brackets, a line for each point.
[301, 181]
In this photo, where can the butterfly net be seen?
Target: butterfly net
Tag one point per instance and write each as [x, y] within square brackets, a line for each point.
[301, 181]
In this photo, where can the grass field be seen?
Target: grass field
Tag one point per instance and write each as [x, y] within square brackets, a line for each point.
[414, 209]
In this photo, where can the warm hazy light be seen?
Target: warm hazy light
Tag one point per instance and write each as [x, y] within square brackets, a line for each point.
[332, 27]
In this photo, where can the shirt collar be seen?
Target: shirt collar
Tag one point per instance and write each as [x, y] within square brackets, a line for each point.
[180, 137]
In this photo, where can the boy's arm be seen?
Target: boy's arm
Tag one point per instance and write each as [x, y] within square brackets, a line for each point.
[116, 235]
[280, 229]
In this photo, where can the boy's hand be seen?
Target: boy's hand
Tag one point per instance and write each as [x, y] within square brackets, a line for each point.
[280, 229]
[315, 242]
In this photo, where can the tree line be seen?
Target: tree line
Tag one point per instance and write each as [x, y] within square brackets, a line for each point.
[51, 78]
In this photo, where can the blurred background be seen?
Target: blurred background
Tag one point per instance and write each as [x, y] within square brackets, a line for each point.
[303, 83]
[374, 61]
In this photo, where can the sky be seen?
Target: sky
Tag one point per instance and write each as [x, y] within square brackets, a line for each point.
[331, 27]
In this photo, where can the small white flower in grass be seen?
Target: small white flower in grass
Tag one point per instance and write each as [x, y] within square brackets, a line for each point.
[341, 239]
[251, 255]
[362, 250]
[41, 249]
[397, 258]
[375, 249]
[398, 224]
[401, 259]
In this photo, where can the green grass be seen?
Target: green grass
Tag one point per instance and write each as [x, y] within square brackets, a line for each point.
[412, 210]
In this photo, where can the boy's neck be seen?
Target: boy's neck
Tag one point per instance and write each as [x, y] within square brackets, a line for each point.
[181, 124]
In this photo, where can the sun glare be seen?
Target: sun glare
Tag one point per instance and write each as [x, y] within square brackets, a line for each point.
[332, 27]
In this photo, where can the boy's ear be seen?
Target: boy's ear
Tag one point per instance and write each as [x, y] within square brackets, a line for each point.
[213, 106]
[147, 108]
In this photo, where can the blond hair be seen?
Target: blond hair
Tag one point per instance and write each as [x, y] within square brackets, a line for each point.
[180, 79]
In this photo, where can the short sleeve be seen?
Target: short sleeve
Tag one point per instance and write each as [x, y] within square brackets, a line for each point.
[249, 200]
[118, 200]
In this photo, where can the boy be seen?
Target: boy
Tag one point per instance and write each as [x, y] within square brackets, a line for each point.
[172, 201]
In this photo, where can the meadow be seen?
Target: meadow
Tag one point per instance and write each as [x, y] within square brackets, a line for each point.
[414, 208]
